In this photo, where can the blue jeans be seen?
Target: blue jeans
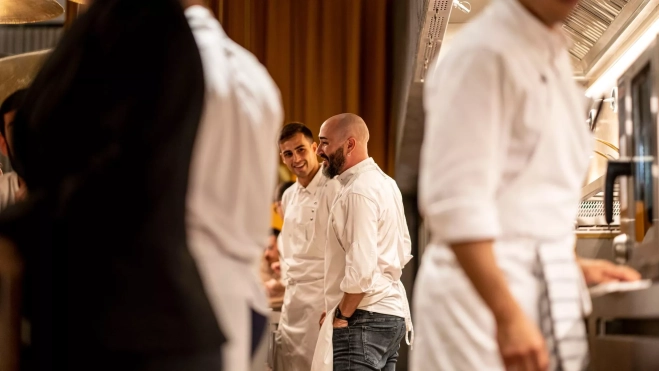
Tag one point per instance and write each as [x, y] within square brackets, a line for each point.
[369, 343]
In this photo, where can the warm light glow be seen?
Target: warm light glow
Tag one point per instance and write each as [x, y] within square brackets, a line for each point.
[609, 78]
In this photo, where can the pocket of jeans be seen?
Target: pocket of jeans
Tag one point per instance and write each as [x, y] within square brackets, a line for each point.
[378, 341]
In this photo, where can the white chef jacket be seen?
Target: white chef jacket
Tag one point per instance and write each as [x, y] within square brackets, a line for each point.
[368, 245]
[233, 172]
[505, 154]
[486, 105]
[369, 241]
[304, 233]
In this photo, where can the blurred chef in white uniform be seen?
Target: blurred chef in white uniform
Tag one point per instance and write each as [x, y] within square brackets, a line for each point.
[233, 173]
[368, 245]
[504, 157]
[305, 206]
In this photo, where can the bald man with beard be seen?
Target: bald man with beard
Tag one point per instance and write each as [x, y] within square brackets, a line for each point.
[368, 245]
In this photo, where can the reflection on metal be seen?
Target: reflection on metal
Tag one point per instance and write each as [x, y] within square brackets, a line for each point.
[28, 11]
[608, 144]
[80, 1]
[465, 6]
[18, 71]
[614, 99]
[608, 157]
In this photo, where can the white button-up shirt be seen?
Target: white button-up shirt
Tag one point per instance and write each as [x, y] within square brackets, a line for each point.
[304, 233]
[368, 241]
[487, 106]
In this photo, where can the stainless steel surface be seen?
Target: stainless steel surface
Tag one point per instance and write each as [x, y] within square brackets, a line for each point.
[595, 245]
[17, 72]
[623, 331]
[28, 11]
[639, 193]
[596, 25]
[436, 20]
[591, 212]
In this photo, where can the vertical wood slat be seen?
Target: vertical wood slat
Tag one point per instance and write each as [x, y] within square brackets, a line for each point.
[326, 56]
[71, 13]
[27, 38]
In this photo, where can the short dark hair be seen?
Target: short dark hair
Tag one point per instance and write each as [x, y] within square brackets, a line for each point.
[282, 188]
[276, 232]
[12, 103]
[290, 130]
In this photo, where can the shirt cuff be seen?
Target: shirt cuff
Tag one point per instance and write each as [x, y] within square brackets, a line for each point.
[463, 221]
[355, 283]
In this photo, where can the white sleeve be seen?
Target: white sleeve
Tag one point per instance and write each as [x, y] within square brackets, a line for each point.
[465, 142]
[360, 240]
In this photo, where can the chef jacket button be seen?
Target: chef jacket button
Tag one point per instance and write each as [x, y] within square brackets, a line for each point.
[311, 218]
[313, 211]
[315, 202]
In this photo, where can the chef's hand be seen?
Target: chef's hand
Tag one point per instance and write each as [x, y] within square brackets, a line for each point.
[276, 267]
[339, 323]
[597, 271]
[322, 319]
[521, 344]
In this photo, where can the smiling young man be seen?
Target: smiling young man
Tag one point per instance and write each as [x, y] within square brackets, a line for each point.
[504, 157]
[305, 206]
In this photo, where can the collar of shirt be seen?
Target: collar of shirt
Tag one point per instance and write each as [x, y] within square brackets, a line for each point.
[345, 177]
[313, 185]
[549, 42]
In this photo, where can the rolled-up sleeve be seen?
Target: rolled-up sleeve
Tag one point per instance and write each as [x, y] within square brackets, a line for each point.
[465, 141]
[360, 239]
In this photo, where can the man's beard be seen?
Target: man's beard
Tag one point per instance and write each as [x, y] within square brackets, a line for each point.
[335, 162]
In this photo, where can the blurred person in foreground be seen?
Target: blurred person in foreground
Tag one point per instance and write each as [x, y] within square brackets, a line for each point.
[504, 157]
[102, 235]
[232, 176]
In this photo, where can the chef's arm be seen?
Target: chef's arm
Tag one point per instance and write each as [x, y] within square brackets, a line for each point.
[349, 303]
[478, 263]
[360, 243]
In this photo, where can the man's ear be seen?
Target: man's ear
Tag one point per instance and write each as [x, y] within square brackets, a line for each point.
[351, 145]
[314, 147]
[3, 146]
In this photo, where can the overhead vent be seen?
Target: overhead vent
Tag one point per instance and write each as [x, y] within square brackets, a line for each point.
[594, 26]
[432, 33]
[588, 22]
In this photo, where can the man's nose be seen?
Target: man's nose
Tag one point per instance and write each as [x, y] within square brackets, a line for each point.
[296, 157]
[319, 151]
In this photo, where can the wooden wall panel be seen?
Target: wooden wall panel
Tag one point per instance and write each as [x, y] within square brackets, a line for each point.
[326, 56]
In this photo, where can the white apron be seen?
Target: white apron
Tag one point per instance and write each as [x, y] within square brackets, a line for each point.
[323, 357]
[456, 330]
[298, 327]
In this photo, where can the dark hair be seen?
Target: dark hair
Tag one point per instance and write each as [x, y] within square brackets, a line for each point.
[275, 232]
[12, 103]
[289, 130]
[282, 188]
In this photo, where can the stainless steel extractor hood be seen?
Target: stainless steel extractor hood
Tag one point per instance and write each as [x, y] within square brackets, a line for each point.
[596, 26]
